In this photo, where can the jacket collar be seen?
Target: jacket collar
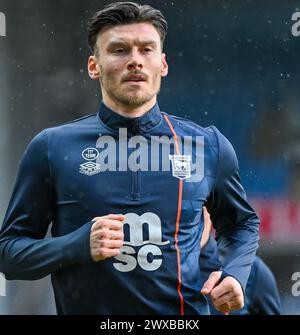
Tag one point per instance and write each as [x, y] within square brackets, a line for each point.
[134, 125]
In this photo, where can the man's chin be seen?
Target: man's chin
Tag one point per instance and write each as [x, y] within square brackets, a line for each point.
[135, 101]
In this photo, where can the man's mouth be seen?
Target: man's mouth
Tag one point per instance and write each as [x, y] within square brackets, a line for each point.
[135, 78]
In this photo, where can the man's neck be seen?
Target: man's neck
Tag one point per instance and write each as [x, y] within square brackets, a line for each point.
[129, 111]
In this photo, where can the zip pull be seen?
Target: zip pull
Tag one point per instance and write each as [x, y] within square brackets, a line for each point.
[135, 130]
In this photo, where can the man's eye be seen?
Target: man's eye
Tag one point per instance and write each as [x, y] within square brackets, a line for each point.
[118, 51]
[147, 49]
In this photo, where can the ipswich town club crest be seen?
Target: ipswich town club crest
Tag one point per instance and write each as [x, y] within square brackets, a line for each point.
[181, 166]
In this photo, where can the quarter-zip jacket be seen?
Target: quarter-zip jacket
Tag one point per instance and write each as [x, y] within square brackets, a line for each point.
[74, 172]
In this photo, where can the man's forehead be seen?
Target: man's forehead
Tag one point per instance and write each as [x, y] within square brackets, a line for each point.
[136, 32]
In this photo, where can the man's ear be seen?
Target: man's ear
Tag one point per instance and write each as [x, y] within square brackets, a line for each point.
[93, 68]
[164, 66]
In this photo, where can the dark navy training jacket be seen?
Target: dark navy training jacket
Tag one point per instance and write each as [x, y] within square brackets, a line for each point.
[158, 170]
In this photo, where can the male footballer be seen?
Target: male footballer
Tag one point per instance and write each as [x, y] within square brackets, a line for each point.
[124, 190]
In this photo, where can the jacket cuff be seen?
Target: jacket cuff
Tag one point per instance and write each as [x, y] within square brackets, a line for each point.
[226, 274]
[76, 245]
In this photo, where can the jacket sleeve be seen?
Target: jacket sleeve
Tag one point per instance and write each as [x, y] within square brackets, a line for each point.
[265, 299]
[25, 253]
[235, 221]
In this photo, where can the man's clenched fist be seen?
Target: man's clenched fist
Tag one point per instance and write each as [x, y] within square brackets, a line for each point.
[107, 236]
[226, 296]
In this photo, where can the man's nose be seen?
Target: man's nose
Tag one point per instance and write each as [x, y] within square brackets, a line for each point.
[135, 61]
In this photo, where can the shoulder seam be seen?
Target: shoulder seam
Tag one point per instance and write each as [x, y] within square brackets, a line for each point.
[51, 178]
[219, 150]
[182, 119]
[73, 121]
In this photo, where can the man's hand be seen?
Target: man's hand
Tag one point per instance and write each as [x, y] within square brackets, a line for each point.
[226, 296]
[106, 237]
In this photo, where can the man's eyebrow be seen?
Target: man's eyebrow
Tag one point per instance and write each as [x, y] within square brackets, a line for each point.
[148, 42]
[116, 42]
[139, 42]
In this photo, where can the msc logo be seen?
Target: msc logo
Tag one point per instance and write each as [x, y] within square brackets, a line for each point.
[144, 232]
[2, 24]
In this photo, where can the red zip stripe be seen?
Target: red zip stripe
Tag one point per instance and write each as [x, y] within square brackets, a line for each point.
[177, 220]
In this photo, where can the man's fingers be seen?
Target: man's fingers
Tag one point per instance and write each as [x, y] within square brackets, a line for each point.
[110, 244]
[228, 307]
[221, 289]
[211, 282]
[227, 285]
[116, 235]
[105, 248]
[227, 297]
[105, 234]
[107, 224]
[118, 217]
[106, 253]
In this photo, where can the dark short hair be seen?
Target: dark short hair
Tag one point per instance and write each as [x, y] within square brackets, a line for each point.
[119, 13]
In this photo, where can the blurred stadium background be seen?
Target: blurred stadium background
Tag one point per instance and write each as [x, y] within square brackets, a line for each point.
[234, 64]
